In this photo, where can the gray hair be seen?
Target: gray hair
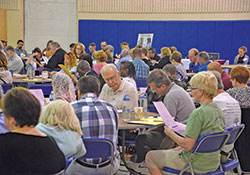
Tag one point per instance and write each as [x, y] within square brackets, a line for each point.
[63, 86]
[10, 48]
[170, 68]
[110, 47]
[124, 52]
[89, 84]
[108, 67]
[218, 77]
[204, 55]
[82, 67]
[158, 77]
[55, 44]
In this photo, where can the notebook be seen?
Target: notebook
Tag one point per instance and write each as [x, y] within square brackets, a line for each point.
[168, 119]
[38, 93]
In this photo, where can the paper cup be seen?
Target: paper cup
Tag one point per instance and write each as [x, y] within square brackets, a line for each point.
[138, 112]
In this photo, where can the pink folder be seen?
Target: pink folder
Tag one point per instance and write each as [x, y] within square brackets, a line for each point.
[38, 93]
[168, 119]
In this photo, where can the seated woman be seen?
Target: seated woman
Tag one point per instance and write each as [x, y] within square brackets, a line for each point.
[59, 121]
[241, 58]
[5, 75]
[70, 63]
[37, 59]
[181, 73]
[165, 54]
[78, 50]
[206, 119]
[101, 58]
[63, 87]
[26, 150]
[127, 70]
[240, 91]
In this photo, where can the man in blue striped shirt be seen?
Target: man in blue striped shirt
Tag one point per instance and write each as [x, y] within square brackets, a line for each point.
[98, 119]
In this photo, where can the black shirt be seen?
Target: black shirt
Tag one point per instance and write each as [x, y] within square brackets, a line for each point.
[29, 154]
[57, 58]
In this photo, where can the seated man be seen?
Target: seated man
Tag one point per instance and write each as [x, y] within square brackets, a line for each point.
[179, 104]
[57, 56]
[125, 56]
[141, 68]
[194, 65]
[15, 63]
[98, 119]
[226, 79]
[19, 49]
[231, 109]
[204, 61]
[153, 55]
[116, 88]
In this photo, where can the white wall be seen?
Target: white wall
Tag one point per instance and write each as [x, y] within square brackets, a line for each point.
[49, 19]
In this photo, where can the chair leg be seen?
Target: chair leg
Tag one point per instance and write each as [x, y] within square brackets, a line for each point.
[235, 156]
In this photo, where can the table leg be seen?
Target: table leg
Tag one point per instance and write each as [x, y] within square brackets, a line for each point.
[123, 148]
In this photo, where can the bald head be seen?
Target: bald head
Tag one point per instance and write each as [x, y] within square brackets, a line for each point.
[214, 66]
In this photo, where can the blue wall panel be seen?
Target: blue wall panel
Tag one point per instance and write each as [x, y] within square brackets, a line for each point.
[224, 37]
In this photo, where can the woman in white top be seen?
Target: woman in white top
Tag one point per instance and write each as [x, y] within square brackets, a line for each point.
[37, 59]
[59, 121]
[127, 70]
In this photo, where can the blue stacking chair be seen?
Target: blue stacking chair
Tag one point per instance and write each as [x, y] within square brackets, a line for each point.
[46, 88]
[231, 164]
[98, 148]
[141, 82]
[51, 70]
[6, 87]
[151, 108]
[206, 144]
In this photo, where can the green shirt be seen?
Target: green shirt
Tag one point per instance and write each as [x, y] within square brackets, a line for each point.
[206, 119]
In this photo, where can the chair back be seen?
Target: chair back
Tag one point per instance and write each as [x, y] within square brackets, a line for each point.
[98, 148]
[235, 132]
[141, 82]
[46, 88]
[6, 87]
[211, 142]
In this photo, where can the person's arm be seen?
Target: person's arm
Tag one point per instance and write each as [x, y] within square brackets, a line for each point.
[187, 143]
[246, 59]
[236, 59]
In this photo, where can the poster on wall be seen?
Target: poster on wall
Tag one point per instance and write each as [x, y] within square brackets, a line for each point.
[145, 40]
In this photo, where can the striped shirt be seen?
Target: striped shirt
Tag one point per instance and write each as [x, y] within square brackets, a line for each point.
[98, 119]
[141, 68]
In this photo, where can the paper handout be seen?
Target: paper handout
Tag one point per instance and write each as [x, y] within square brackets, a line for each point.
[168, 119]
[38, 93]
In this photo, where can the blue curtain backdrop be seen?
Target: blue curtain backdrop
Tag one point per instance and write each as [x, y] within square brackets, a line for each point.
[224, 37]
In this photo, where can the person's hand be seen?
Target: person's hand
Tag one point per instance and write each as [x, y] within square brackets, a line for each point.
[74, 78]
[42, 65]
[168, 131]
[178, 148]
[238, 56]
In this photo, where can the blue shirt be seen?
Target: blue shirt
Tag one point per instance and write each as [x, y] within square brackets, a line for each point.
[126, 58]
[193, 67]
[141, 68]
[204, 66]
[3, 128]
[98, 119]
[21, 51]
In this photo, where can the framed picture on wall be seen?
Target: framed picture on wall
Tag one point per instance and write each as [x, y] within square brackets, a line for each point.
[145, 40]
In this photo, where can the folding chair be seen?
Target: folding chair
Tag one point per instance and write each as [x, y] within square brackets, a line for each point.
[206, 144]
[151, 108]
[141, 82]
[6, 87]
[46, 88]
[231, 164]
[98, 148]
[51, 70]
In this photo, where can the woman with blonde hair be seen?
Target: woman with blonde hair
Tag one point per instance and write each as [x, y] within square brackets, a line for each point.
[101, 59]
[59, 121]
[165, 54]
[78, 50]
[5, 75]
[63, 87]
[206, 119]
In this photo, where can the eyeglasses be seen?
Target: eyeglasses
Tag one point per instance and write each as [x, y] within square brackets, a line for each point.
[192, 89]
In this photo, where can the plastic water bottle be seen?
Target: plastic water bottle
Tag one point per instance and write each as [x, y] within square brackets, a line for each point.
[144, 103]
[30, 71]
[52, 96]
[125, 108]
